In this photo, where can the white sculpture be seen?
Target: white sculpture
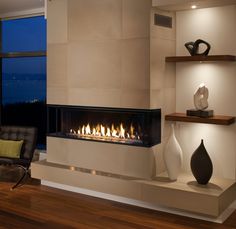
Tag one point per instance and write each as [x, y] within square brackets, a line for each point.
[200, 97]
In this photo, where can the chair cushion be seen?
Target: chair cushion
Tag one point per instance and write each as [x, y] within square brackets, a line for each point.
[10, 149]
[28, 134]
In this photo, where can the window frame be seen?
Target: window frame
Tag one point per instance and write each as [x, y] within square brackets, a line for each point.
[14, 55]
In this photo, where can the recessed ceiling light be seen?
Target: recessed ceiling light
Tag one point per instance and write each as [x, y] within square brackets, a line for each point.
[193, 6]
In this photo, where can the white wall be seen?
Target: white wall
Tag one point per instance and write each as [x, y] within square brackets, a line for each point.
[216, 26]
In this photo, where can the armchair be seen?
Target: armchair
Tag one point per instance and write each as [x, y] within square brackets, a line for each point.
[29, 136]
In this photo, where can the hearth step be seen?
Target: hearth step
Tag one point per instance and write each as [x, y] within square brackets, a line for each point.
[183, 194]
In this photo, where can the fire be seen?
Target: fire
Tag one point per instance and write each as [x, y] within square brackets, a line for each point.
[103, 132]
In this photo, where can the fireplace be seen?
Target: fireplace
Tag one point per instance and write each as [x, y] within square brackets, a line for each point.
[137, 127]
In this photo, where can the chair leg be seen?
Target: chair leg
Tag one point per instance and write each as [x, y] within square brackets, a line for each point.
[21, 178]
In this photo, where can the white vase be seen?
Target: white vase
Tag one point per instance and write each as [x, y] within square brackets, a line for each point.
[173, 156]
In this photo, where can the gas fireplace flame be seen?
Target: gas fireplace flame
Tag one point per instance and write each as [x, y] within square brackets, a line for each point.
[104, 132]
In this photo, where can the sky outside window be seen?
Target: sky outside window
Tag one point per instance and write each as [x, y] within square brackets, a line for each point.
[22, 35]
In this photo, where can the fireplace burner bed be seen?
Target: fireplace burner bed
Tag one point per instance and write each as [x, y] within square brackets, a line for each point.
[136, 127]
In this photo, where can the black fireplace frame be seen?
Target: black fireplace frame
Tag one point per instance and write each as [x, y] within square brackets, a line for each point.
[150, 118]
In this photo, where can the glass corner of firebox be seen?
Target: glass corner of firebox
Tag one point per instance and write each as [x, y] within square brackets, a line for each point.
[133, 127]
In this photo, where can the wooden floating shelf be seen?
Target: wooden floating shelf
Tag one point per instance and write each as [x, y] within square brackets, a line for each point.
[200, 58]
[216, 119]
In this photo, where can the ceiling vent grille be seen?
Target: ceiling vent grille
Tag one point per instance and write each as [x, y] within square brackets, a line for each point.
[162, 20]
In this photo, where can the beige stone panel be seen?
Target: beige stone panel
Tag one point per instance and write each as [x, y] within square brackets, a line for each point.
[93, 19]
[183, 194]
[136, 18]
[160, 31]
[135, 98]
[135, 64]
[57, 21]
[227, 199]
[157, 75]
[164, 99]
[170, 77]
[114, 158]
[162, 73]
[94, 64]
[187, 194]
[57, 95]
[156, 98]
[57, 65]
[57, 149]
[184, 200]
[159, 162]
[169, 100]
[94, 97]
[63, 175]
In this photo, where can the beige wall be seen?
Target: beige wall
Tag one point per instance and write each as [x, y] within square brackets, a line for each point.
[113, 158]
[162, 77]
[103, 53]
[217, 26]
[98, 53]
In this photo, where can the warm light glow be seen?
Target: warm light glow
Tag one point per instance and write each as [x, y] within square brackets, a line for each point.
[193, 6]
[120, 133]
[93, 172]
[72, 168]
[202, 85]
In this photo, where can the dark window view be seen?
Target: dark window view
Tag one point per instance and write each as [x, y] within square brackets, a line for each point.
[24, 78]
[23, 35]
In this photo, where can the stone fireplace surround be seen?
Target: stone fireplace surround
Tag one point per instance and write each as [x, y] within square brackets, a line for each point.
[121, 158]
[100, 57]
[108, 54]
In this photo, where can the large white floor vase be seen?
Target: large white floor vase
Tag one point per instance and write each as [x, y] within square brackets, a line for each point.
[173, 156]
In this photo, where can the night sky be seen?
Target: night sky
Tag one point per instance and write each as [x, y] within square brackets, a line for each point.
[24, 79]
[26, 34]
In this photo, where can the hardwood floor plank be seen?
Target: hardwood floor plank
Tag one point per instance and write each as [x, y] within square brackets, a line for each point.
[35, 206]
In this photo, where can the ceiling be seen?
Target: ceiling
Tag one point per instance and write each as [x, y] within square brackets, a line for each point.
[175, 5]
[9, 7]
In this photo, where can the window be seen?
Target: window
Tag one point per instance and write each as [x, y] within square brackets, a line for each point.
[24, 35]
[23, 75]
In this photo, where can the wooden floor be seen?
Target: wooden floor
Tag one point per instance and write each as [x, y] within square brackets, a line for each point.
[35, 206]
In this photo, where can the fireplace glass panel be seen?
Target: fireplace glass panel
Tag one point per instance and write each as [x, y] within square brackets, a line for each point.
[139, 127]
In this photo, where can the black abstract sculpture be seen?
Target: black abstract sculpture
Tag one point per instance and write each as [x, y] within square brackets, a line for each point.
[201, 165]
[193, 47]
